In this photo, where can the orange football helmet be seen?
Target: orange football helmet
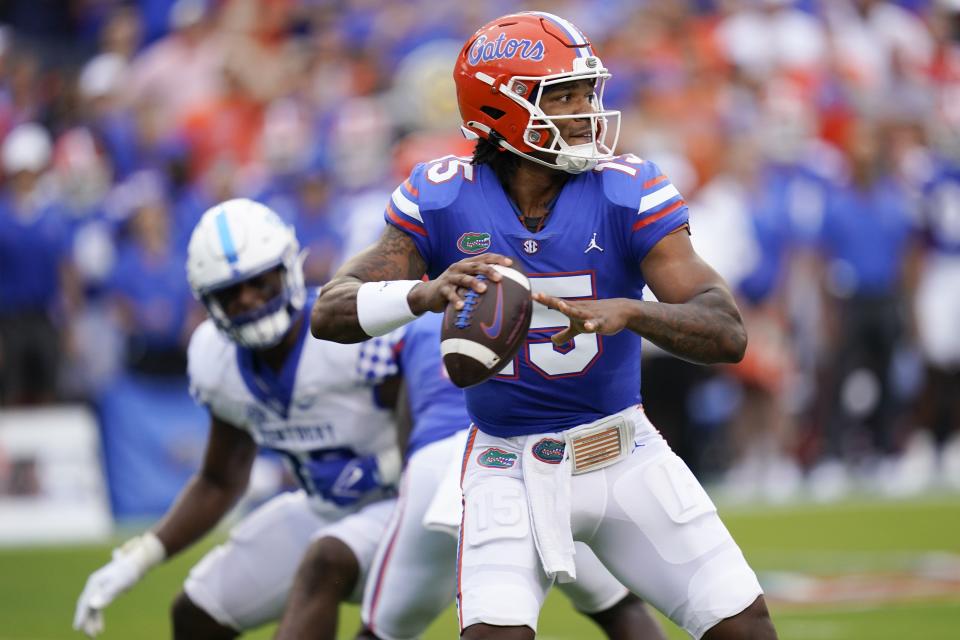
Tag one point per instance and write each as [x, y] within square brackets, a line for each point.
[501, 74]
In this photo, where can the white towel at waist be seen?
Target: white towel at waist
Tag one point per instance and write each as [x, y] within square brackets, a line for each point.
[547, 483]
[547, 478]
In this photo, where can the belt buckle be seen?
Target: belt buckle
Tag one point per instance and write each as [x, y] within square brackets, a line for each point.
[599, 445]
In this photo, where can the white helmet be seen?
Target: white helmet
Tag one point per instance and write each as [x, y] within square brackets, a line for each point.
[235, 241]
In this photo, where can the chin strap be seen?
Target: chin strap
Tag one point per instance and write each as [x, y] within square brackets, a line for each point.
[569, 167]
[571, 163]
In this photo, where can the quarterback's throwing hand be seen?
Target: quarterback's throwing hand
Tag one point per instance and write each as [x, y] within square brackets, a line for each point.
[605, 317]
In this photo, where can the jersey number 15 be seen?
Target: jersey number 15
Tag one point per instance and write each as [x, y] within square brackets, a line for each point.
[571, 359]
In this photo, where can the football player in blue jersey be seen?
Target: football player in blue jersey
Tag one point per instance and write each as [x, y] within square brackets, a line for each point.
[267, 384]
[560, 449]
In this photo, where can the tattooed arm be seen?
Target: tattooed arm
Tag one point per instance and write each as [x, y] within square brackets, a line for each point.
[393, 257]
[695, 319]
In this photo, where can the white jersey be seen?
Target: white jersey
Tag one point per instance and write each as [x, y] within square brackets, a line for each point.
[320, 404]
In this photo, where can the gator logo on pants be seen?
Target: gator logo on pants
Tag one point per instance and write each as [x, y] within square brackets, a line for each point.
[548, 450]
[496, 458]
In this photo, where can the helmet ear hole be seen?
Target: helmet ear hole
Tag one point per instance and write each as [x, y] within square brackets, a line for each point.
[493, 112]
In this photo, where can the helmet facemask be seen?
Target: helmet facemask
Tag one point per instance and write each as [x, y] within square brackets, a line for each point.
[266, 325]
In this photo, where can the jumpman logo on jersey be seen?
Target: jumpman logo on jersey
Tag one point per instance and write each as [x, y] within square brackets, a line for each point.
[593, 244]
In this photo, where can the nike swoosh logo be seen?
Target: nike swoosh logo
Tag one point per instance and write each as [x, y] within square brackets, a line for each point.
[493, 330]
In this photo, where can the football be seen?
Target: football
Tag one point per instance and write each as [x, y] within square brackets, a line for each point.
[480, 339]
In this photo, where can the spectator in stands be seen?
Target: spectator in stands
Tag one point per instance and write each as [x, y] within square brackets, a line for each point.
[742, 230]
[32, 270]
[152, 301]
[84, 179]
[224, 130]
[182, 69]
[318, 228]
[872, 37]
[109, 119]
[769, 37]
[122, 32]
[865, 237]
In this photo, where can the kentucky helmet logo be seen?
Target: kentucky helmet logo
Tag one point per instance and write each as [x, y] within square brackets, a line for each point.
[548, 450]
[474, 242]
[496, 458]
[484, 50]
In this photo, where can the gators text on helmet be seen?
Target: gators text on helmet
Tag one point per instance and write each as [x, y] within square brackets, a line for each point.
[501, 74]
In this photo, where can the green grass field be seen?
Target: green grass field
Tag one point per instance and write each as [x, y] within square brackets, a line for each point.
[850, 571]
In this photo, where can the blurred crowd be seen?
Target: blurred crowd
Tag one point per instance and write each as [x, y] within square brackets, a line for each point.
[816, 141]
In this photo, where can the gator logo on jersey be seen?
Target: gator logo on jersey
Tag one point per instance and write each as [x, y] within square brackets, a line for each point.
[474, 242]
[548, 450]
[484, 50]
[496, 458]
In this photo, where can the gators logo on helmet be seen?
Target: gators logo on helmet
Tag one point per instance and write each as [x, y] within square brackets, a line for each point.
[502, 73]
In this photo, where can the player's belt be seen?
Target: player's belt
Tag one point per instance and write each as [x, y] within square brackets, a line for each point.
[599, 444]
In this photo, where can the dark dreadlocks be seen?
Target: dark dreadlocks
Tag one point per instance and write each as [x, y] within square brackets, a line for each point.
[489, 152]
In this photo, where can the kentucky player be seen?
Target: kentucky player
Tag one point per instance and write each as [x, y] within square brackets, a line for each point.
[562, 450]
[413, 575]
[267, 384]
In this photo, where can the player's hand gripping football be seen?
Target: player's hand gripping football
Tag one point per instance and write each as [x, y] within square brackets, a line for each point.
[130, 562]
[437, 293]
[605, 317]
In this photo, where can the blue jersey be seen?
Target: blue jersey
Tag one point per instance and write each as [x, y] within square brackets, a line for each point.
[867, 232]
[437, 406]
[786, 211]
[31, 250]
[601, 226]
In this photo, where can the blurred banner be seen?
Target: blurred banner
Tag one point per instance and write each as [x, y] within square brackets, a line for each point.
[51, 483]
[153, 440]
